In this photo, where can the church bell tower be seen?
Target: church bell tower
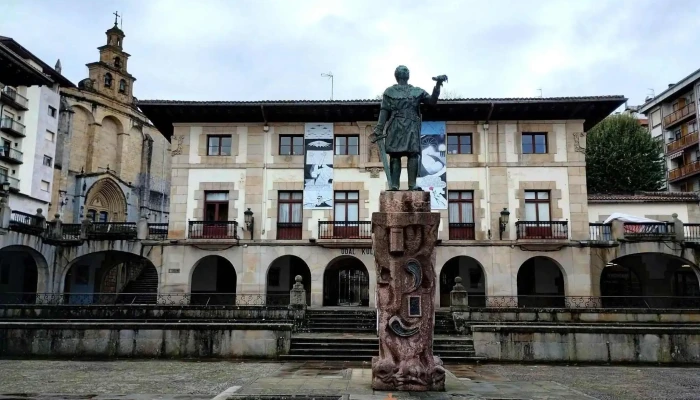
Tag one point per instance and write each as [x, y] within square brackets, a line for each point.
[110, 76]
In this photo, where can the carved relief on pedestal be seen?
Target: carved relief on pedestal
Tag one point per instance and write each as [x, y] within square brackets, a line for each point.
[405, 232]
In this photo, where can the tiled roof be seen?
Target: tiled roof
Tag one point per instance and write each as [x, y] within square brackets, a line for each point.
[645, 197]
[365, 101]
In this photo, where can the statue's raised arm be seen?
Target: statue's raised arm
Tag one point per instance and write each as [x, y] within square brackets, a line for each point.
[433, 99]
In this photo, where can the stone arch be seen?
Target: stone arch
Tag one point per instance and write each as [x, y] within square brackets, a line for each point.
[82, 123]
[23, 270]
[541, 283]
[106, 147]
[86, 279]
[656, 280]
[213, 281]
[473, 277]
[280, 279]
[105, 200]
[346, 282]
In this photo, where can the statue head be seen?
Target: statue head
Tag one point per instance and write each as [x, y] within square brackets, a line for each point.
[401, 74]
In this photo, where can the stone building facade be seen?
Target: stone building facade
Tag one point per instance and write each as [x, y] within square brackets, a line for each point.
[259, 175]
[112, 164]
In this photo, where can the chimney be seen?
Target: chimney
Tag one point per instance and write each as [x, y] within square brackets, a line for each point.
[670, 85]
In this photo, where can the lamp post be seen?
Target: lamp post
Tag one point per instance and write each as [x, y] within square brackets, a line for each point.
[249, 221]
[503, 222]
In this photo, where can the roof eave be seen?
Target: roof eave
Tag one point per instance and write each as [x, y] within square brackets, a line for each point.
[681, 86]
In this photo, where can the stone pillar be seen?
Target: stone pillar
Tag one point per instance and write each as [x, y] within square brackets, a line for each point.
[618, 229]
[85, 226]
[678, 228]
[405, 232]
[40, 220]
[458, 296]
[142, 228]
[297, 296]
[5, 213]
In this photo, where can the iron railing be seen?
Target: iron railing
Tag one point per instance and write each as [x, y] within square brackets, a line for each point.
[684, 171]
[462, 231]
[691, 232]
[542, 229]
[345, 229]
[112, 230]
[289, 231]
[587, 302]
[138, 299]
[600, 232]
[158, 231]
[69, 232]
[11, 154]
[682, 142]
[648, 229]
[27, 223]
[213, 230]
[18, 100]
[11, 126]
[679, 115]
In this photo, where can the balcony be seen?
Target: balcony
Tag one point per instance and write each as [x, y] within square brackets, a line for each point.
[26, 223]
[680, 115]
[11, 127]
[213, 230]
[157, 231]
[289, 231]
[461, 231]
[10, 155]
[649, 230]
[682, 142]
[14, 183]
[547, 230]
[112, 230]
[345, 233]
[13, 99]
[684, 171]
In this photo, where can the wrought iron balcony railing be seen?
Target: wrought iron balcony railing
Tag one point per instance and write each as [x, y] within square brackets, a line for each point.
[461, 231]
[648, 230]
[289, 230]
[600, 232]
[345, 229]
[213, 230]
[158, 231]
[542, 229]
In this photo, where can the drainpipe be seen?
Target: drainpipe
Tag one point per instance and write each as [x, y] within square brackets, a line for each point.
[266, 145]
[488, 172]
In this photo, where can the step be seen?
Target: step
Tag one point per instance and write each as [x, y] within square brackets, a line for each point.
[350, 352]
[325, 357]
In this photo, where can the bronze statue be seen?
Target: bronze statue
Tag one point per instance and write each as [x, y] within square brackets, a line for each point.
[400, 112]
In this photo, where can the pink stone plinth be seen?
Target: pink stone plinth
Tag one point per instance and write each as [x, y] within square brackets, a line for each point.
[405, 232]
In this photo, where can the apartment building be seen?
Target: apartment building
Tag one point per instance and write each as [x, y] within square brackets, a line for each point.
[264, 191]
[673, 119]
[29, 109]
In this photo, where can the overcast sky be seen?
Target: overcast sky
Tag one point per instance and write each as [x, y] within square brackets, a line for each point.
[258, 49]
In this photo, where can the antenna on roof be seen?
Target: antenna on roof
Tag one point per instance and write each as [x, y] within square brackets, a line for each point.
[540, 90]
[329, 75]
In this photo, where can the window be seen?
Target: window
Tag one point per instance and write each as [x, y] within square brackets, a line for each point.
[347, 206]
[48, 161]
[122, 86]
[537, 206]
[108, 80]
[459, 144]
[347, 145]
[50, 136]
[52, 112]
[117, 62]
[45, 186]
[219, 145]
[291, 145]
[534, 143]
[289, 215]
[216, 206]
[656, 118]
[3, 175]
[461, 215]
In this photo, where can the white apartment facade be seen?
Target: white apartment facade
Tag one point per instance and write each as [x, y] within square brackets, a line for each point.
[244, 220]
[28, 131]
[673, 120]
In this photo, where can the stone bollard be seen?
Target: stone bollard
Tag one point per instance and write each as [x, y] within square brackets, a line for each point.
[142, 228]
[56, 227]
[459, 300]
[85, 226]
[678, 228]
[297, 296]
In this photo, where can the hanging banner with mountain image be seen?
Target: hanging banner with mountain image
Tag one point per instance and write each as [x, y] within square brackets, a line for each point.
[432, 176]
[318, 166]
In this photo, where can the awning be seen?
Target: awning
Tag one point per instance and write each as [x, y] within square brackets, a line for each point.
[676, 155]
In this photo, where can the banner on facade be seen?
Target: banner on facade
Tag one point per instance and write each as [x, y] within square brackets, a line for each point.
[432, 176]
[318, 166]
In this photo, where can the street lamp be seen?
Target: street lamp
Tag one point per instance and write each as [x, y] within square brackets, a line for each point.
[5, 187]
[249, 221]
[503, 222]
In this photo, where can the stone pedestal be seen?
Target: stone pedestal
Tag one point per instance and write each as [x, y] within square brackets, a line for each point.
[405, 232]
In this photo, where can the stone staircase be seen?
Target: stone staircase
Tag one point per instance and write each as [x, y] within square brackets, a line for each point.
[350, 335]
[145, 286]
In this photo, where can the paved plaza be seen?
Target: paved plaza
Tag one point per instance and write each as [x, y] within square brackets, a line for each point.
[194, 380]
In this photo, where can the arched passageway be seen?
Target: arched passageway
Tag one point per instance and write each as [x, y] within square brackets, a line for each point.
[346, 283]
[473, 280]
[213, 281]
[19, 274]
[109, 277]
[540, 283]
[653, 280]
[280, 279]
